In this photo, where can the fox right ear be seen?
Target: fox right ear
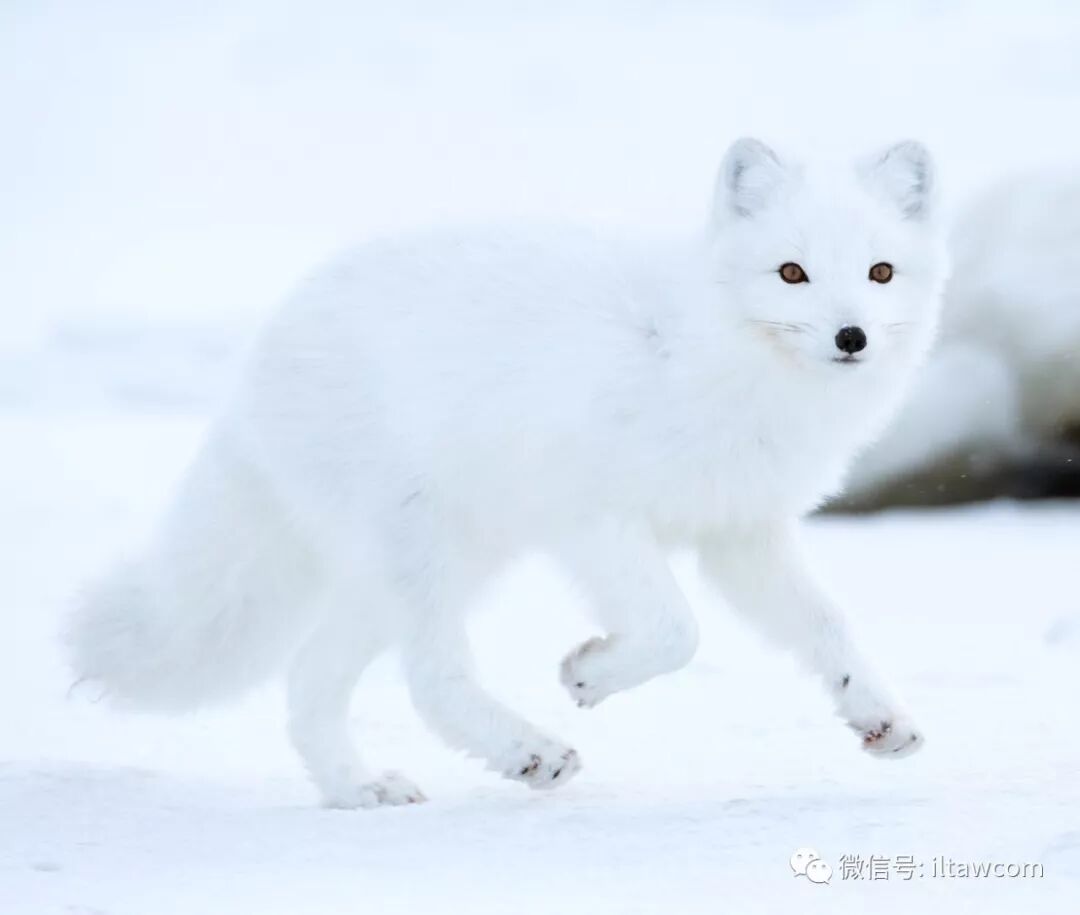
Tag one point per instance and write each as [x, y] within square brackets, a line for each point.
[749, 177]
[904, 175]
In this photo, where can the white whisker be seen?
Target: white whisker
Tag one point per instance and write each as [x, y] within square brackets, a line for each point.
[791, 327]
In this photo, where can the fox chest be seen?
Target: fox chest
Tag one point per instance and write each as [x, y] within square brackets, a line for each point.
[754, 471]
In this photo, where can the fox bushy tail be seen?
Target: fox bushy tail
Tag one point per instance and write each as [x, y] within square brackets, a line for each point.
[214, 606]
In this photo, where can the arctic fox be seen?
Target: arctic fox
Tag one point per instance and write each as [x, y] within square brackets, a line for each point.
[426, 409]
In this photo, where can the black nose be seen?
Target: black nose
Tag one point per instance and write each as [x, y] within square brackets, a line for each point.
[851, 339]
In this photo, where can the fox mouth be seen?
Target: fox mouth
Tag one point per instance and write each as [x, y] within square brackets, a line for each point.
[847, 360]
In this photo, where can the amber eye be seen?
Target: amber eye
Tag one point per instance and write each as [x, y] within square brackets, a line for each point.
[881, 273]
[793, 273]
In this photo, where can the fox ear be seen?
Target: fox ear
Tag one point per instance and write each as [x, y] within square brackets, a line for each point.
[749, 177]
[903, 174]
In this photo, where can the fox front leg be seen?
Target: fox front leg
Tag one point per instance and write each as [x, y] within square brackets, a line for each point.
[763, 575]
[650, 628]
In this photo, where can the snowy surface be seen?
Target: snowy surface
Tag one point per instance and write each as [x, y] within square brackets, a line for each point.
[697, 787]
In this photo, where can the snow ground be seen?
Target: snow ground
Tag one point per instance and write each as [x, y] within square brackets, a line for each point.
[697, 787]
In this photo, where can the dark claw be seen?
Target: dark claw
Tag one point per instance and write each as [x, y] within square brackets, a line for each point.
[534, 764]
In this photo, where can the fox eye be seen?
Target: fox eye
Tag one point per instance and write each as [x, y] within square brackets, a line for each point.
[793, 273]
[881, 273]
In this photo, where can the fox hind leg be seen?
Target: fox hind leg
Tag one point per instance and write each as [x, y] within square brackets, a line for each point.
[320, 684]
[438, 666]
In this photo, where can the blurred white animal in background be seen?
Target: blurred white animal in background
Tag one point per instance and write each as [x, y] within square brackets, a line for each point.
[996, 410]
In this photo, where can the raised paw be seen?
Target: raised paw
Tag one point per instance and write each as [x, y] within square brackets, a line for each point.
[543, 766]
[390, 789]
[583, 673]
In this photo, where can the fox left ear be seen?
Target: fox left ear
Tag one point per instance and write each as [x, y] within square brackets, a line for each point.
[904, 174]
[749, 179]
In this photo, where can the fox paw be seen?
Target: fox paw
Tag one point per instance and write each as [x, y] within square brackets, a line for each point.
[542, 766]
[890, 738]
[885, 730]
[582, 673]
[387, 790]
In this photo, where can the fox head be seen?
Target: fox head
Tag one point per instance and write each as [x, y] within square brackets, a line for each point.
[836, 271]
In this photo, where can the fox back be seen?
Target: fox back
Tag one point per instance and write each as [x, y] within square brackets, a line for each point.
[524, 379]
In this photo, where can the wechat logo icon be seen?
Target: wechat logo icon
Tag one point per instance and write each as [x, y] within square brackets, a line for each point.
[805, 862]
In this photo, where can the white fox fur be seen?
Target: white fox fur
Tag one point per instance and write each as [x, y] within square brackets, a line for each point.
[426, 409]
